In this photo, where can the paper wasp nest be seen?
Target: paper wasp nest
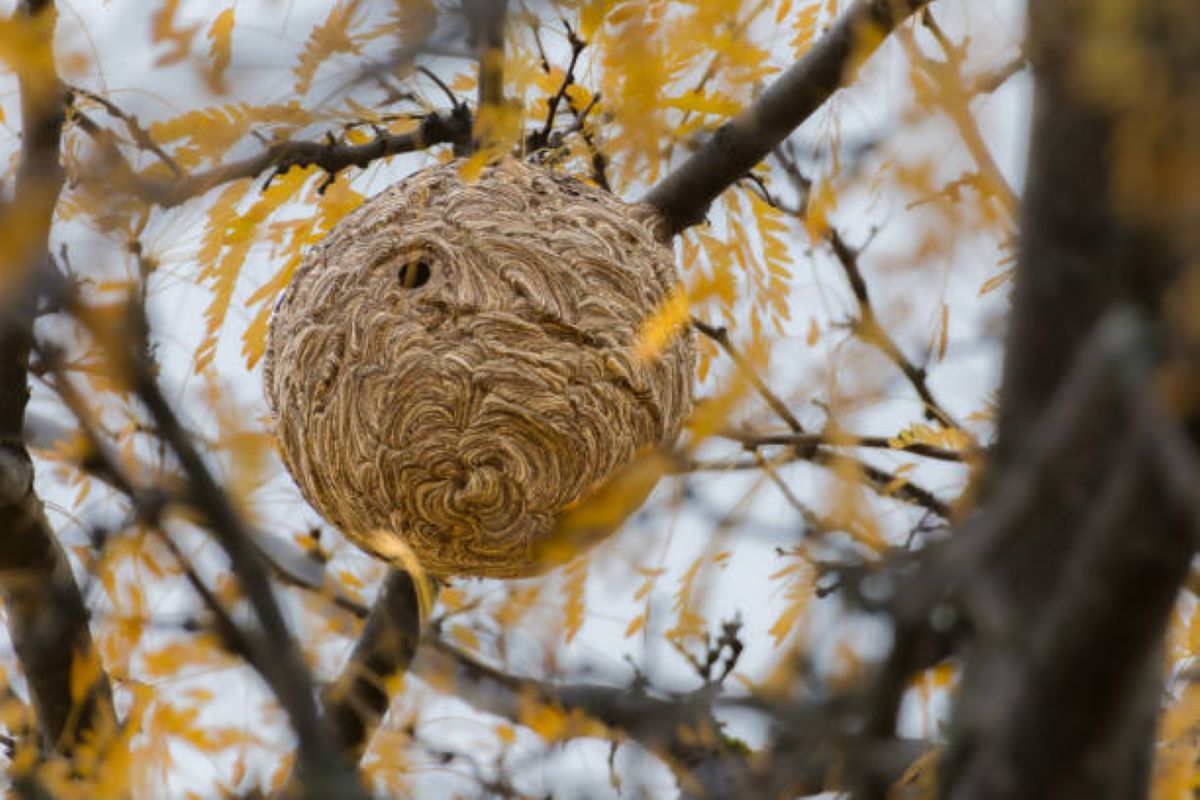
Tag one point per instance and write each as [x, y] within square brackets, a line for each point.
[457, 362]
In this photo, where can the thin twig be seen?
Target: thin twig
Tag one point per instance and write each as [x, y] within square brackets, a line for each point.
[868, 328]
[541, 138]
[137, 133]
[333, 157]
[954, 97]
[813, 521]
[841, 439]
[433, 76]
[992, 80]
[720, 335]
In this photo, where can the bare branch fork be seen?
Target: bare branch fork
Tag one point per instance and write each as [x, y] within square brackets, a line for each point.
[869, 329]
[817, 449]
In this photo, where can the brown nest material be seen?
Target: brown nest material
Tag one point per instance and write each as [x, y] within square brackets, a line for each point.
[456, 363]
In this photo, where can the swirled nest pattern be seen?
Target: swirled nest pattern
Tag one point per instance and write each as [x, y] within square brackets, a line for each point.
[456, 363]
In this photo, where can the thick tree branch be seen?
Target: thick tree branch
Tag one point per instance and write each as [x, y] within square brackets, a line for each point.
[1071, 613]
[358, 699]
[684, 196]
[47, 618]
[951, 575]
[681, 728]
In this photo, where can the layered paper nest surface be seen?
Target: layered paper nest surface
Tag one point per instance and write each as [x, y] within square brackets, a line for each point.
[457, 362]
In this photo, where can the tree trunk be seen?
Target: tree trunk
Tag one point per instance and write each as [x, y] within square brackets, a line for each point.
[1061, 685]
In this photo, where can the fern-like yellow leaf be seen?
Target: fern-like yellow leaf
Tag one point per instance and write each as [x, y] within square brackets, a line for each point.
[326, 39]
[220, 51]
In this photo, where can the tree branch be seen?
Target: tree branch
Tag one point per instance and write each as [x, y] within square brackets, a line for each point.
[842, 439]
[720, 335]
[487, 19]
[280, 661]
[358, 699]
[868, 328]
[438, 128]
[684, 195]
[47, 618]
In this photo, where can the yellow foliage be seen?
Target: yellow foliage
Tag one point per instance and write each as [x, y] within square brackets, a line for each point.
[554, 724]
[919, 433]
[797, 578]
[996, 281]
[228, 240]
[573, 606]
[689, 623]
[208, 133]
[327, 39]
[190, 653]
[220, 35]
[165, 30]
[661, 327]
[465, 637]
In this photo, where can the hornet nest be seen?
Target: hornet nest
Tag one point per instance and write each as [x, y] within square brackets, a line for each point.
[457, 363]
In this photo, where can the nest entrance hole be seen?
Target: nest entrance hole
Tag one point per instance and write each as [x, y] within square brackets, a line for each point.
[414, 274]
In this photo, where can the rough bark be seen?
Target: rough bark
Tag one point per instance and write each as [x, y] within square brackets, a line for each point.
[356, 702]
[1061, 685]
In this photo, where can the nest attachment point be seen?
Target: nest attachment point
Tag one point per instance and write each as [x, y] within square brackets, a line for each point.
[456, 363]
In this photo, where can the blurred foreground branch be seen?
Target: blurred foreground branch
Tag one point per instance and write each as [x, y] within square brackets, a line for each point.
[47, 618]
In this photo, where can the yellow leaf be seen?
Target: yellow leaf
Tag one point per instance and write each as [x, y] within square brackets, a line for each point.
[635, 625]
[545, 720]
[805, 28]
[798, 592]
[452, 599]
[465, 637]
[164, 30]
[254, 338]
[220, 34]
[664, 324]
[86, 669]
[602, 510]
[573, 607]
[700, 103]
[463, 82]
[821, 201]
[326, 39]
[995, 282]
[591, 16]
